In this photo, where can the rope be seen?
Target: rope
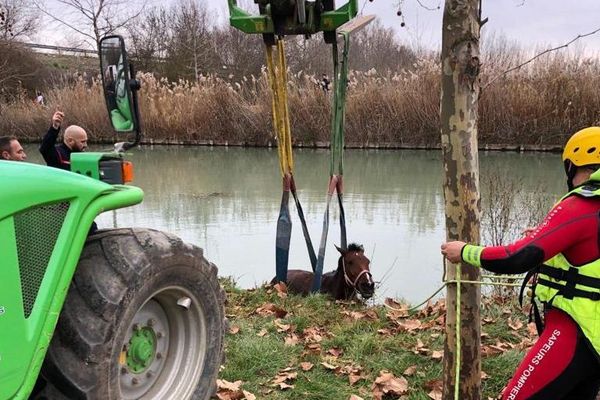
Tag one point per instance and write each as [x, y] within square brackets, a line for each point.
[458, 328]
[279, 106]
[336, 166]
[458, 281]
[277, 74]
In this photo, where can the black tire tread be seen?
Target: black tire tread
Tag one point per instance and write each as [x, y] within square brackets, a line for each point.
[112, 263]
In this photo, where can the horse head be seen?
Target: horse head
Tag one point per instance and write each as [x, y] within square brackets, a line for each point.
[355, 266]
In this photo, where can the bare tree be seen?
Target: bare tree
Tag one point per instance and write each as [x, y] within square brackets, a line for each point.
[149, 39]
[93, 19]
[191, 50]
[18, 19]
[241, 54]
[378, 47]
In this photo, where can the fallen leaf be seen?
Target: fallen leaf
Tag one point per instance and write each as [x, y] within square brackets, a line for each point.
[313, 348]
[384, 332]
[263, 332]
[532, 329]
[388, 384]
[437, 354]
[410, 324]
[281, 327]
[284, 376]
[434, 384]
[420, 348]
[229, 390]
[306, 366]
[234, 329]
[353, 378]
[355, 397]
[269, 309]
[284, 386]
[484, 375]
[435, 394]
[516, 325]
[248, 395]
[410, 371]
[358, 315]
[329, 366]
[335, 352]
[312, 335]
[281, 289]
[223, 384]
[395, 304]
[291, 340]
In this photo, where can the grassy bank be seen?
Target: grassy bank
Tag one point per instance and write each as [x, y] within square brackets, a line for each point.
[538, 106]
[287, 347]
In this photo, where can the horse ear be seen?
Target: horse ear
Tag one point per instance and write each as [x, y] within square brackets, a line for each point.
[342, 251]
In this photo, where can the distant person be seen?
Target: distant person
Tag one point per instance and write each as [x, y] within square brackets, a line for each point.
[325, 83]
[74, 141]
[39, 99]
[11, 149]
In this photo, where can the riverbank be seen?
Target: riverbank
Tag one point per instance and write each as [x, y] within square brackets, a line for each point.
[535, 108]
[287, 347]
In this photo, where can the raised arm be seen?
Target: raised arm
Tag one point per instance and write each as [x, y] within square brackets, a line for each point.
[49, 140]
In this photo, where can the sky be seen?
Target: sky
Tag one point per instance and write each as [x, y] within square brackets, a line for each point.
[534, 24]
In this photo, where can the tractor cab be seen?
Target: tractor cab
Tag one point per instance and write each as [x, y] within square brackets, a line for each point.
[120, 93]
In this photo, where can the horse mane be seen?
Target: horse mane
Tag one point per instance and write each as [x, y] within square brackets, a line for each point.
[356, 247]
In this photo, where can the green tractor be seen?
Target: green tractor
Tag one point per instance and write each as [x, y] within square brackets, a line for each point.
[116, 314]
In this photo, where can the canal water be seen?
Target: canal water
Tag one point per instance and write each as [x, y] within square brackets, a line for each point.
[226, 200]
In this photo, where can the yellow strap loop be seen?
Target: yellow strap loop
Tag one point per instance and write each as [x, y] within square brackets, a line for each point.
[279, 107]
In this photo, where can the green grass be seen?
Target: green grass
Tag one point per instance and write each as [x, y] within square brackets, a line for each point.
[256, 360]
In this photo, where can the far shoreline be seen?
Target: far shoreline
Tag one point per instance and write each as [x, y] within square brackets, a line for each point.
[523, 148]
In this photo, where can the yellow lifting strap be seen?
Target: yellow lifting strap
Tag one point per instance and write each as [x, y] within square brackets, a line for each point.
[281, 117]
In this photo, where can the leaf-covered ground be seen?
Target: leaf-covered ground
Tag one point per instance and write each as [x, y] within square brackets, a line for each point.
[288, 347]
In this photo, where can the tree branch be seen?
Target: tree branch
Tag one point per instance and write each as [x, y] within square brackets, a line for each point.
[538, 56]
[428, 8]
[63, 22]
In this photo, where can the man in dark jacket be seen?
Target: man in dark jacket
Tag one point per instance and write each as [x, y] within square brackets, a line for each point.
[59, 155]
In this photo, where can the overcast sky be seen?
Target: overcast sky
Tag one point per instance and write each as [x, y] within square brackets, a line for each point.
[534, 23]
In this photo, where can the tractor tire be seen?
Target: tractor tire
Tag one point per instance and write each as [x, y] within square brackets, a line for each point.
[143, 319]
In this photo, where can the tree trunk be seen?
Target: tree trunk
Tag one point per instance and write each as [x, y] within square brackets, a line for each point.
[460, 91]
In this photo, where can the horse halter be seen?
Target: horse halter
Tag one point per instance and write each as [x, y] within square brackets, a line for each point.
[349, 281]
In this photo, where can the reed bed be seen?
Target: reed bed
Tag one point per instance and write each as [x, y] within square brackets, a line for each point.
[538, 106]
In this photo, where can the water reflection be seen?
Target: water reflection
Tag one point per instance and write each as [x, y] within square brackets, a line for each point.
[226, 200]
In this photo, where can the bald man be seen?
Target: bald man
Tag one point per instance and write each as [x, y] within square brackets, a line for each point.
[59, 155]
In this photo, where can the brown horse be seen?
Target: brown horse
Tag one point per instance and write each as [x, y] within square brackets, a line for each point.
[351, 276]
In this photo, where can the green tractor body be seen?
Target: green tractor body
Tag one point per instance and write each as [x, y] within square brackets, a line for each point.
[124, 314]
[45, 217]
[292, 17]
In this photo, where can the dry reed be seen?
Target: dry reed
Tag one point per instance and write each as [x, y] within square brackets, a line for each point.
[537, 106]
